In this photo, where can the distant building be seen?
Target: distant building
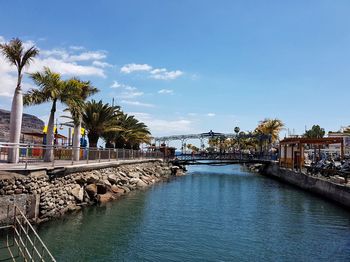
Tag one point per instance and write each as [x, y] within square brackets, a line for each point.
[346, 138]
[30, 124]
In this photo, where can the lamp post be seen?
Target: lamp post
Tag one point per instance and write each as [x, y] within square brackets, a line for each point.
[237, 129]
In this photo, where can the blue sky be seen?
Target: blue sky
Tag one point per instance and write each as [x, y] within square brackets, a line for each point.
[191, 66]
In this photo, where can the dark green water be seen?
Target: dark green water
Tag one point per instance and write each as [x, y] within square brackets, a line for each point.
[213, 214]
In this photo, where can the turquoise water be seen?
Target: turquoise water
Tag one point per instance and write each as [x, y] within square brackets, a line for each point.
[220, 213]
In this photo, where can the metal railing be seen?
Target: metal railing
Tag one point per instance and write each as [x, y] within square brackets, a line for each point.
[20, 241]
[29, 154]
[227, 156]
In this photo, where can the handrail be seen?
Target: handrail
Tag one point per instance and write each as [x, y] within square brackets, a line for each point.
[25, 240]
[29, 153]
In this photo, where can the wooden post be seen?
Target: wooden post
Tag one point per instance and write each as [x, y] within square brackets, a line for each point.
[300, 157]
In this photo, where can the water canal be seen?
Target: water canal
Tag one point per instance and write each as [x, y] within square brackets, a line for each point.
[214, 214]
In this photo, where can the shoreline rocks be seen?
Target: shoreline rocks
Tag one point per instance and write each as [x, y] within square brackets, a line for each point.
[59, 195]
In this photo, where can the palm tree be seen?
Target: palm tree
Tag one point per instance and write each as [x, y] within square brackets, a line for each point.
[268, 128]
[84, 89]
[99, 118]
[271, 127]
[17, 56]
[133, 133]
[51, 88]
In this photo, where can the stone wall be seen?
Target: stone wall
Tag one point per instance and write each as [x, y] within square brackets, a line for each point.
[337, 192]
[43, 196]
[30, 124]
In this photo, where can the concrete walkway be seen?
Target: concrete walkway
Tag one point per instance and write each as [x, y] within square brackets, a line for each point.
[68, 164]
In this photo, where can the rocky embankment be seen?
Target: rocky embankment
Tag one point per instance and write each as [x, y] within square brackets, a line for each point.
[54, 196]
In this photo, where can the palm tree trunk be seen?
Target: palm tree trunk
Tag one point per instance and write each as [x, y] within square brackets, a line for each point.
[76, 141]
[16, 121]
[93, 138]
[49, 153]
[15, 125]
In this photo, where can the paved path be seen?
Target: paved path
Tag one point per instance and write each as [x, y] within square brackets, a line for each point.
[65, 164]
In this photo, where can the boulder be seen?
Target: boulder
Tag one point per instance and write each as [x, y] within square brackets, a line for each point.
[134, 180]
[91, 178]
[140, 183]
[107, 183]
[105, 197]
[117, 190]
[113, 179]
[122, 174]
[134, 174]
[91, 190]
[78, 193]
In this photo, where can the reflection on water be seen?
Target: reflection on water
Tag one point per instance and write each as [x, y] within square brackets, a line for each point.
[221, 213]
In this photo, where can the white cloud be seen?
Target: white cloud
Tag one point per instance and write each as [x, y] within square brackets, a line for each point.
[155, 73]
[65, 68]
[211, 114]
[101, 64]
[125, 91]
[116, 85]
[165, 91]
[136, 103]
[90, 55]
[163, 126]
[163, 74]
[192, 114]
[59, 60]
[129, 68]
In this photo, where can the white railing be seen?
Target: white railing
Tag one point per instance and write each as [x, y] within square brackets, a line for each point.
[30, 154]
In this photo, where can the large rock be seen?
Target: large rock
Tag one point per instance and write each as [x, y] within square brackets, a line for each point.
[134, 174]
[91, 190]
[78, 193]
[134, 180]
[117, 190]
[105, 197]
[91, 178]
[113, 179]
[140, 183]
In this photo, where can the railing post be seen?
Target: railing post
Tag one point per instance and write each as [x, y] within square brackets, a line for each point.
[109, 154]
[26, 165]
[72, 152]
[99, 155]
[132, 153]
[87, 155]
[116, 154]
[53, 152]
[123, 153]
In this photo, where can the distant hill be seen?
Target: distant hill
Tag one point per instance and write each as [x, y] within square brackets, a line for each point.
[30, 124]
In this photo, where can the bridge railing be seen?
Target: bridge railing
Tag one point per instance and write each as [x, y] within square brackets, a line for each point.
[227, 156]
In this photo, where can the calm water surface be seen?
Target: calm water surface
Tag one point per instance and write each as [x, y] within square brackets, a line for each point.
[220, 213]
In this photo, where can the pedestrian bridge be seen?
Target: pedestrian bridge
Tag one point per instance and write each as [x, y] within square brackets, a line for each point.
[222, 158]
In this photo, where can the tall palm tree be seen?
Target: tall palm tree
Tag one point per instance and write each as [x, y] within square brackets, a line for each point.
[51, 89]
[99, 118]
[19, 57]
[271, 127]
[84, 89]
[133, 133]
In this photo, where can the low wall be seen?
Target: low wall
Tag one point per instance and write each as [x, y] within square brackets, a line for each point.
[47, 193]
[339, 193]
